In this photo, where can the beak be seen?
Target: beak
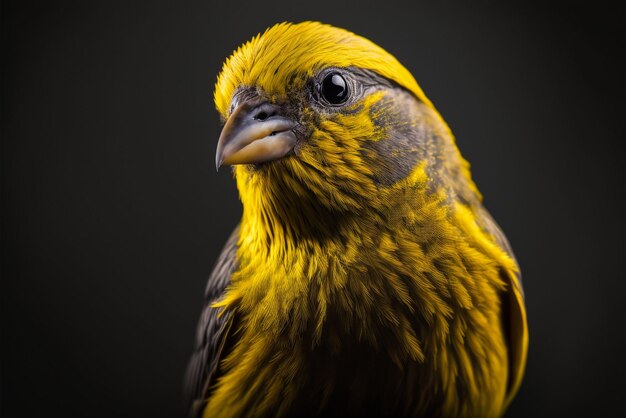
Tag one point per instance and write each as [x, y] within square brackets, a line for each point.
[256, 132]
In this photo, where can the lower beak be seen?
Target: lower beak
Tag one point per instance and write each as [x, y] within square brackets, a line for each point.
[255, 133]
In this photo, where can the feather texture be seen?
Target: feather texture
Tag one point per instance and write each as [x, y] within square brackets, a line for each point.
[369, 278]
[212, 333]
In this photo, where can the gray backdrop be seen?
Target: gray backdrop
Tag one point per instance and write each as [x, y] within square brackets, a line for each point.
[112, 213]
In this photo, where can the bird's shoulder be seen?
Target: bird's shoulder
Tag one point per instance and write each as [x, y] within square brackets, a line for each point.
[513, 304]
[212, 333]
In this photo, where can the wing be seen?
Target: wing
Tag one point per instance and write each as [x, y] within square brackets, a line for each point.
[212, 333]
[513, 309]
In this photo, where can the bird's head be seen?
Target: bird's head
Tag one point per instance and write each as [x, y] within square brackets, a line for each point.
[318, 118]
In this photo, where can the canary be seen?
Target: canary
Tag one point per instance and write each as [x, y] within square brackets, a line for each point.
[365, 277]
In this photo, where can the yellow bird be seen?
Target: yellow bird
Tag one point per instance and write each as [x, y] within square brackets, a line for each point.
[365, 277]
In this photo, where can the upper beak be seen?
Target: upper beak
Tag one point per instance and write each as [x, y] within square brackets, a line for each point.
[255, 133]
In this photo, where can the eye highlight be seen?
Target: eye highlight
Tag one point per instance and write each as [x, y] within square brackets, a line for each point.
[335, 88]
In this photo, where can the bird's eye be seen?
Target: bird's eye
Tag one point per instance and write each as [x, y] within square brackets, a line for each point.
[334, 89]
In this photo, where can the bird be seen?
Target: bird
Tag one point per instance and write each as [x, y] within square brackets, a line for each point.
[365, 277]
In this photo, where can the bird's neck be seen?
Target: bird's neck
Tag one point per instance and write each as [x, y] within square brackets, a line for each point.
[401, 281]
[281, 216]
[411, 233]
[289, 246]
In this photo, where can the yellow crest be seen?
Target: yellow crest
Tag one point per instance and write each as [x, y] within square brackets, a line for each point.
[287, 54]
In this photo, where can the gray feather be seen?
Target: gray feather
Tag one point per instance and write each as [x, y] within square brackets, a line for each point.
[212, 333]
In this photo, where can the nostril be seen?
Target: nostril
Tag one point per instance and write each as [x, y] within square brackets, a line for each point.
[264, 112]
[261, 116]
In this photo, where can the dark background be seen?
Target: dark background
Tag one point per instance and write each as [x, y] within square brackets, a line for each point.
[112, 213]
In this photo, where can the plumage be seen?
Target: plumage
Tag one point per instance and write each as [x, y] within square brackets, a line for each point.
[365, 278]
[212, 330]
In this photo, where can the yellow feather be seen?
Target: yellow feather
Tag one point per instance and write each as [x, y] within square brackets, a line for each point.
[412, 275]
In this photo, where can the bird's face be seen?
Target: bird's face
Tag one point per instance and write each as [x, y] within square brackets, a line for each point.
[316, 113]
